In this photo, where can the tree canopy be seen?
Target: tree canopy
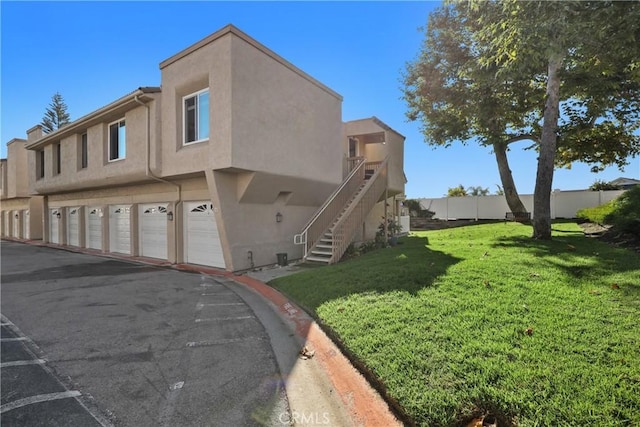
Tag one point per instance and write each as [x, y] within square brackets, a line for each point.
[55, 115]
[563, 75]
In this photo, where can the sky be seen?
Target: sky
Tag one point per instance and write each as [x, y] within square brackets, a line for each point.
[93, 53]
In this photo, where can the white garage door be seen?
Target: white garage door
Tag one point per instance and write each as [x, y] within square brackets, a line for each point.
[73, 227]
[54, 226]
[119, 229]
[202, 241]
[26, 226]
[153, 230]
[16, 224]
[94, 228]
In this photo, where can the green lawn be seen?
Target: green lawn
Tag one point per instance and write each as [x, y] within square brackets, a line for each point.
[478, 319]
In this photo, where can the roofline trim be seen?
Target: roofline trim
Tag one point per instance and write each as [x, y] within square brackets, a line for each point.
[231, 29]
[75, 125]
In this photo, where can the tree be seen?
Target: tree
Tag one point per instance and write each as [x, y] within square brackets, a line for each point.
[458, 191]
[502, 72]
[477, 191]
[599, 185]
[56, 115]
[499, 191]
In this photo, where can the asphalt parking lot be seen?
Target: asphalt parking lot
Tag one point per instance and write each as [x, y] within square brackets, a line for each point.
[118, 343]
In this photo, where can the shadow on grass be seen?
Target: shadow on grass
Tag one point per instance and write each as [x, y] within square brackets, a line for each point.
[407, 267]
[573, 253]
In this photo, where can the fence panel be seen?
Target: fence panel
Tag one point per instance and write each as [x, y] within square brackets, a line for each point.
[564, 204]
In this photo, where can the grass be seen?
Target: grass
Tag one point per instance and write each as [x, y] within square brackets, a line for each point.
[482, 319]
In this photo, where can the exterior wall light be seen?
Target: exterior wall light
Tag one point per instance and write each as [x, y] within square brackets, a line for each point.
[170, 216]
[278, 217]
[58, 215]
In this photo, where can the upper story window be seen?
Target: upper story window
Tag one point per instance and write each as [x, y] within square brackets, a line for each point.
[84, 159]
[196, 116]
[57, 158]
[117, 140]
[39, 164]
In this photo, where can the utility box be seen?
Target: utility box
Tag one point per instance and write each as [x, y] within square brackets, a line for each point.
[282, 258]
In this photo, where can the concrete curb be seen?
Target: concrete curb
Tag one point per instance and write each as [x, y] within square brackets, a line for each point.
[362, 403]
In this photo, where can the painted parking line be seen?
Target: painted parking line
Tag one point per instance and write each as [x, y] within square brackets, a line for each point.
[37, 399]
[14, 339]
[22, 363]
[217, 319]
[200, 305]
[193, 344]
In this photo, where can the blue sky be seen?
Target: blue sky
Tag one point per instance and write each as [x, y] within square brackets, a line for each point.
[95, 52]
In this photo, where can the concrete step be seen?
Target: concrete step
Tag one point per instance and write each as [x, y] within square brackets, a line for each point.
[318, 259]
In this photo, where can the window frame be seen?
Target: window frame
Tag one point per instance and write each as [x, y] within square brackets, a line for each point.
[109, 140]
[57, 158]
[40, 164]
[195, 95]
[84, 150]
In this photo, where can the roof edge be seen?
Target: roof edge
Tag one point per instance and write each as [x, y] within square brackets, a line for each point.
[232, 29]
[78, 123]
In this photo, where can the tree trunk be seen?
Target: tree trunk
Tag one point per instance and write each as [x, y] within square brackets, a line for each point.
[548, 142]
[508, 185]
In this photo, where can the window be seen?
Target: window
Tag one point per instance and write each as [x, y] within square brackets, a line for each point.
[83, 151]
[56, 158]
[196, 116]
[117, 141]
[353, 147]
[40, 164]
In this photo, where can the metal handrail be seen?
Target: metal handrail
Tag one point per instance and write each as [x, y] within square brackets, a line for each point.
[355, 176]
[344, 230]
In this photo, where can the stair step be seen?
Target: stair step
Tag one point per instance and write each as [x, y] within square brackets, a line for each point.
[318, 259]
[322, 253]
[323, 246]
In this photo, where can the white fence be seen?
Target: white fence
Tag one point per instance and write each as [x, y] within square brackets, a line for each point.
[564, 204]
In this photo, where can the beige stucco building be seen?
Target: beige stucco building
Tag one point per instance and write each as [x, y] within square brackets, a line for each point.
[238, 157]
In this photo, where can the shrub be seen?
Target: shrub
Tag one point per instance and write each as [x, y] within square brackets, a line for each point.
[625, 215]
[596, 214]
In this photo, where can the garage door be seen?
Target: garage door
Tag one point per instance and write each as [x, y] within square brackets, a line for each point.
[26, 230]
[119, 229]
[73, 227]
[54, 225]
[153, 230]
[202, 241]
[16, 224]
[94, 228]
[5, 223]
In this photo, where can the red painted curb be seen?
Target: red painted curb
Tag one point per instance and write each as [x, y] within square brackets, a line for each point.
[365, 406]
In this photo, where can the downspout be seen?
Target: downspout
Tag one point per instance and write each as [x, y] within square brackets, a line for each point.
[150, 174]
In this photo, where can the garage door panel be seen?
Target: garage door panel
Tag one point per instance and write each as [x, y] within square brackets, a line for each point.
[153, 231]
[94, 228]
[202, 245]
[26, 225]
[54, 226]
[119, 229]
[73, 227]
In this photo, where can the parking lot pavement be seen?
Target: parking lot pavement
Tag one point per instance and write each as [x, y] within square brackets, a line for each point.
[145, 346]
[31, 393]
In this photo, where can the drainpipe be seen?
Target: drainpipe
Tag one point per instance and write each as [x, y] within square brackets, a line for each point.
[150, 174]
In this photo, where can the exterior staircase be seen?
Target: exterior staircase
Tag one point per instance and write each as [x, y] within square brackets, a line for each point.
[332, 229]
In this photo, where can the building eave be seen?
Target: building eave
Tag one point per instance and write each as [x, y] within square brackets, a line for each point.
[94, 117]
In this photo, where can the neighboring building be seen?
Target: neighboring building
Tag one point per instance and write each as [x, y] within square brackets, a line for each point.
[238, 152]
[625, 183]
[21, 214]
